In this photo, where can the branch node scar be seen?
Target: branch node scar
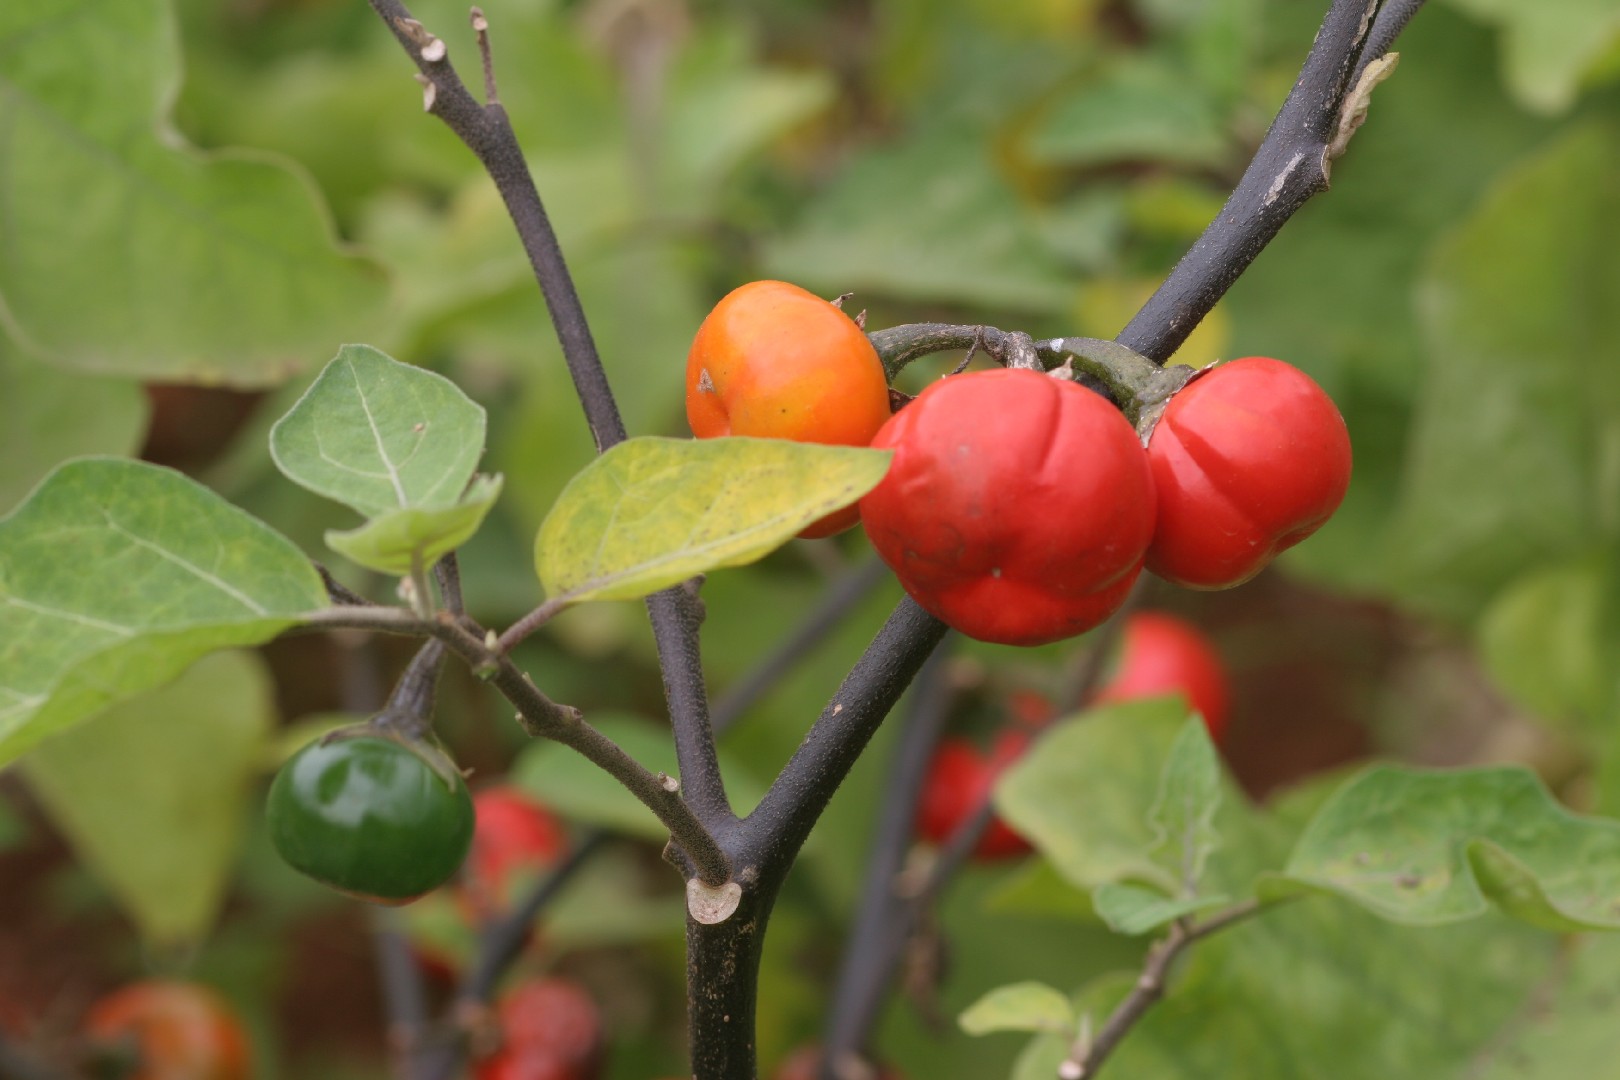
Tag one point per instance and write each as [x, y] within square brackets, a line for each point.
[711, 904]
[434, 51]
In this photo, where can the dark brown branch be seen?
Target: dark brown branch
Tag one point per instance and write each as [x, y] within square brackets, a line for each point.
[1290, 166]
[866, 969]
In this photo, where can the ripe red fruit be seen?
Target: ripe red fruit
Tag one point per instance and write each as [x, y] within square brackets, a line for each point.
[179, 1031]
[514, 839]
[1161, 654]
[1248, 460]
[776, 362]
[959, 781]
[1017, 508]
[550, 1030]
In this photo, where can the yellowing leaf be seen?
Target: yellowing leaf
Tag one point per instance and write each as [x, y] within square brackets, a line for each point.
[653, 512]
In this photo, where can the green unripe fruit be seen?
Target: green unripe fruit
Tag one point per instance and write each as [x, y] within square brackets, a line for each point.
[371, 816]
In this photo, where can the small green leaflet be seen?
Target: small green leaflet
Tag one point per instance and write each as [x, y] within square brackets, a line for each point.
[116, 575]
[652, 512]
[1134, 909]
[392, 542]
[1025, 1006]
[398, 444]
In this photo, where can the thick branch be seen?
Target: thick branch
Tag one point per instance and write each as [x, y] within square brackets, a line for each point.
[773, 833]
[677, 619]
[1290, 166]
[864, 974]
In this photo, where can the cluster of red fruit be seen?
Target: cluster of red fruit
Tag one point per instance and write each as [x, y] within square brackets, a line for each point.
[1020, 507]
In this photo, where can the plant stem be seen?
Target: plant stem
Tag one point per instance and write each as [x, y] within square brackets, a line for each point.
[865, 971]
[772, 835]
[1290, 167]
[1089, 1056]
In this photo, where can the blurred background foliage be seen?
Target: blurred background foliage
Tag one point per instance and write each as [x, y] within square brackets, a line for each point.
[1033, 164]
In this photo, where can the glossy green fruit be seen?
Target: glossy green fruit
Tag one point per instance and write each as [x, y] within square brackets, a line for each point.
[371, 816]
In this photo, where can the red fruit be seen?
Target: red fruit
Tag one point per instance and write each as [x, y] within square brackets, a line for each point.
[1248, 460]
[960, 778]
[1161, 654]
[776, 362]
[179, 1031]
[1017, 508]
[550, 1030]
[514, 838]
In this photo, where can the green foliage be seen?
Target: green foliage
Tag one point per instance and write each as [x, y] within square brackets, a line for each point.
[47, 416]
[653, 512]
[378, 435]
[114, 576]
[397, 444]
[1128, 793]
[1549, 45]
[1428, 848]
[1026, 1006]
[224, 268]
[152, 792]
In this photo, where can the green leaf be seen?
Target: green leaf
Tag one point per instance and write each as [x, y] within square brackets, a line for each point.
[1183, 813]
[114, 576]
[1025, 1006]
[47, 416]
[1432, 847]
[1321, 990]
[1132, 909]
[1506, 467]
[137, 255]
[1550, 638]
[1141, 110]
[379, 435]
[929, 219]
[580, 791]
[1548, 45]
[1036, 888]
[399, 540]
[152, 792]
[1568, 1028]
[652, 512]
[1085, 799]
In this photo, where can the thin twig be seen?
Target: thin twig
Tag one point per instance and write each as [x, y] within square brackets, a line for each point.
[339, 592]
[1149, 988]
[544, 718]
[487, 132]
[865, 971]
[403, 997]
[448, 572]
[534, 620]
[1392, 18]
